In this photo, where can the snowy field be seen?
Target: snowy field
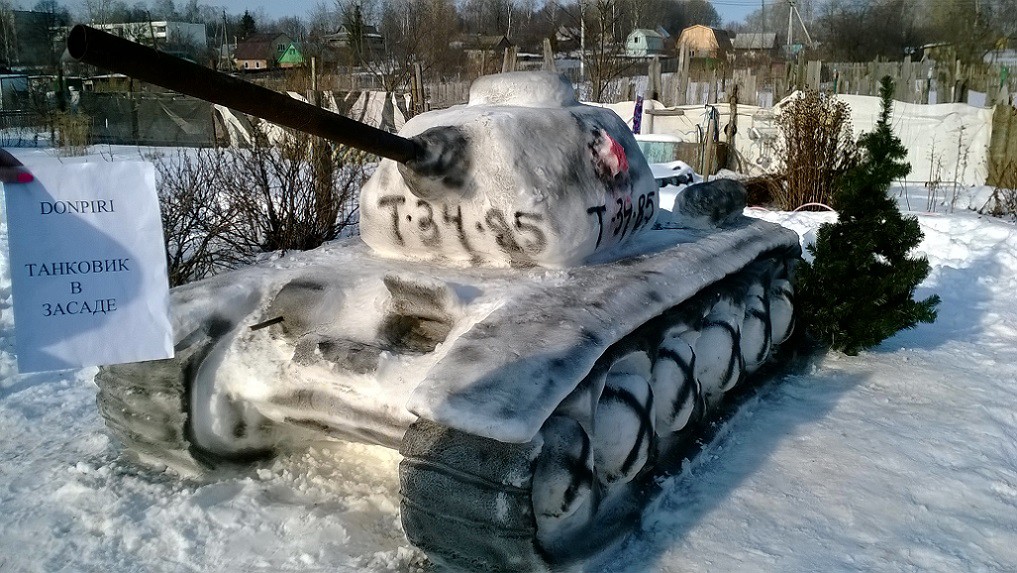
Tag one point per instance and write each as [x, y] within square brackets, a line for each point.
[901, 459]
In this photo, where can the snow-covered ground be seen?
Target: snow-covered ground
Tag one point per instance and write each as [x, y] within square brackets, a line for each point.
[903, 458]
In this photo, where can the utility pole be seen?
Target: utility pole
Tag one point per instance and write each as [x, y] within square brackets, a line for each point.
[222, 41]
[582, 40]
[792, 12]
[790, 30]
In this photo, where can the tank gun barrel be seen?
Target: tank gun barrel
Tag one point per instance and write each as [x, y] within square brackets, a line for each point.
[91, 46]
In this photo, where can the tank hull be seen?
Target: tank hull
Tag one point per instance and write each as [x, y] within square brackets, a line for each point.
[491, 381]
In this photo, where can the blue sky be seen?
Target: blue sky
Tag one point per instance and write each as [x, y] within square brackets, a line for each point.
[733, 11]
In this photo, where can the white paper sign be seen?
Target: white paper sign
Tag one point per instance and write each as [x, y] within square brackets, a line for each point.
[88, 266]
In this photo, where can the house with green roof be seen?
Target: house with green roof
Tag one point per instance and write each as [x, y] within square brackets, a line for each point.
[267, 51]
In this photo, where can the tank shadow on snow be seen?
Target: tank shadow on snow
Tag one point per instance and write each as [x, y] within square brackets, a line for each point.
[683, 501]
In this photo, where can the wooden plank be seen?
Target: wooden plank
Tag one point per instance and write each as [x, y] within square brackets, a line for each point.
[549, 65]
[683, 75]
[1003, 148]
[654, 88]
[813, 74]
[508, 63]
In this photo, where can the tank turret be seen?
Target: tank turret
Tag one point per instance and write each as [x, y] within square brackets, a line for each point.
[521, 175]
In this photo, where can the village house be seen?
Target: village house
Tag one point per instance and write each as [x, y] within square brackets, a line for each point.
[755, 45]
[267, 51]
[643, 42]
[704, 42]
[371, 41]
[484, 53]
[160, 34]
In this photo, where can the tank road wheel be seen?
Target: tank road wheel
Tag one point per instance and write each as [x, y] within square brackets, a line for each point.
[782, 303]
[623, 422]
[782, 311]
[563, 481]
[520, 507]
[483, 505]
[677, 394]
[756, 337]
[719, 364]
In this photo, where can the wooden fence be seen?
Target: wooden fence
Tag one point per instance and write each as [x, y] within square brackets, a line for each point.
[1003, 148]
[763, 85]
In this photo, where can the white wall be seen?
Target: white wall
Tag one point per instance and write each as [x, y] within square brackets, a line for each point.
[951, 139]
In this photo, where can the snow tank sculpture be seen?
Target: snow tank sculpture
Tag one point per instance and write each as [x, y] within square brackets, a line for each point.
[512, 319]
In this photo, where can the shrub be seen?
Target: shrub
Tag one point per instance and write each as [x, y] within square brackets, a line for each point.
[816, 146]
[72, 132]
[224, 207]
[297, 193]
[203, 234]
[1002, 203]
[859, 290]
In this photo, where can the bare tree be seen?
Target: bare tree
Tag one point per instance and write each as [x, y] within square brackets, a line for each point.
[861, 32]
[323, 21]
[1006, 16]
[605, 61]
[292, 26]
[410, 32]
[972, 27]
[202, 233]
[164, 10]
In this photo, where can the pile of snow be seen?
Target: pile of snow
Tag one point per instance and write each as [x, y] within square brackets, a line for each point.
[903, 458]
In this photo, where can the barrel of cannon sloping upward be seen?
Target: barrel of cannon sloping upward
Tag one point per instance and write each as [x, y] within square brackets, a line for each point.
[91, 46]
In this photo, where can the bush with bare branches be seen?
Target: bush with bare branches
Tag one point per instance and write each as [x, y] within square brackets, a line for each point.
[200, 229]
[1002, 203]
[224, 207]
[816, 145]
[295, 194]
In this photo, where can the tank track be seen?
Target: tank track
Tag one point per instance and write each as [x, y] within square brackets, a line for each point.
[147, 410]
[148, 405]
[479, 504]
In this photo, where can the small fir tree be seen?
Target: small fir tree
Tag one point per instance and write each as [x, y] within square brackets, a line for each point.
[859, 290]
[248, 26]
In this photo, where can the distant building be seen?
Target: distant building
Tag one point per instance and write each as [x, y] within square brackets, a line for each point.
[755, 44]
[478, 43]
[484, 54]
[705, 42]
[936, 51]
[13, 92]
[371, 41]
[163, 34]
[1002, 57]
[642, 42]
[267, 51]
